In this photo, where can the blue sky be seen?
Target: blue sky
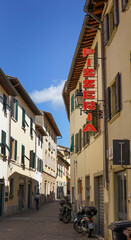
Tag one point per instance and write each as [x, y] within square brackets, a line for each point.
[37, 44]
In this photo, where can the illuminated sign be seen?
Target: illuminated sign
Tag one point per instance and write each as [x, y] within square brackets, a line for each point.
[89, 85]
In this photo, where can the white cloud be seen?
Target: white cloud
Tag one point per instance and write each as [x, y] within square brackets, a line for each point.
[52, 94]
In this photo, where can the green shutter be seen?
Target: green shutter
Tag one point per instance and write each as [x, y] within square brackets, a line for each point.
[83, 136]
[3, 139]
[95, 56]
[33, 160]
[23, 155]
[4, 102]
[31, 126]
[11, 147]
[16, 110]
[72, 144]
[72, 103]
[12, 106]
[79, 140]
[15, 149]
[23, 117]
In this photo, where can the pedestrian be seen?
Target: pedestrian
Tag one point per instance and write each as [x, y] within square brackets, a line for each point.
[37, 199]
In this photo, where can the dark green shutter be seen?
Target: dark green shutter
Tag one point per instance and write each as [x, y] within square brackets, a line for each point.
[83, 136]
[31, 126]
[23, 155]
[79, 141]
[16, 110]
[23, 117]
[115, 13]
[108, 104]
[76, 142]
[118, 92]
[96, 56]
[15, 149]
[4, 102]
[33, 160]
[106, 29]
[12, 106]
[11, 147]
[72, 103]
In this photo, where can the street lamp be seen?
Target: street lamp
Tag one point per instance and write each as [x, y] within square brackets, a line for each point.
[79, 98]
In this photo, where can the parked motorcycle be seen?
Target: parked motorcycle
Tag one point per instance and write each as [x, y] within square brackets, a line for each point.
[65, 210]
[83, 223]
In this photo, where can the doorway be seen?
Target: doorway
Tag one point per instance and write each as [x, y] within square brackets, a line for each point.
[120, 196]
[30, 195]
[1, 199]
[21, 197]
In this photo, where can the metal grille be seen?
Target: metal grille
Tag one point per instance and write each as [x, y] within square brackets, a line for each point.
[101, 206]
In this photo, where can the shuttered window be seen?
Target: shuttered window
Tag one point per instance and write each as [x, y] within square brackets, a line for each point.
[113, 98]
[32, 159]
[108, 104]
[4, 102]
[13, 149]
[96, 56]
[123, 4]
[79, 140]
[115, 13]
[72, 144]
[31, 126]
[23, 155]
[72, 103]
[83, 136]
[106, 29]
[23, 117]
[76, 142]
[14, 108]
[3, 142]
[39, 165]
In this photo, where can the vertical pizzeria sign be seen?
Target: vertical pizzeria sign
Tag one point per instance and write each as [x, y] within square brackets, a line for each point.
[89, 86]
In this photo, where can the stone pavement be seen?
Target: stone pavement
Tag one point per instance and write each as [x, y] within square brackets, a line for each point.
[38, 225]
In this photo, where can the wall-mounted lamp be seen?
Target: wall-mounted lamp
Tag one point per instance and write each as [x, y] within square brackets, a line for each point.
[79, 98]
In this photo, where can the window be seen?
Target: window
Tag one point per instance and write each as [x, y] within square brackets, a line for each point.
[72, 103]
[95, 56]
[76, 142]
[3, 143]
[79, 140]
[14, 108]
[72, 144]
[31, 126]
[39, 165]
[124, 4]
[4, 102]
[23, 117]
[32, 159]
[13, 149]
[111, 20]
[113, 98]
[11, 187]
[23, 155]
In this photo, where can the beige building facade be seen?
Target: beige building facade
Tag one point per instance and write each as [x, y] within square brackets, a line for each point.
[95, 179]
[63, 172]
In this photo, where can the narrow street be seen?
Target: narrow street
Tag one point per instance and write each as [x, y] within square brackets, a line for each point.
[38, 225]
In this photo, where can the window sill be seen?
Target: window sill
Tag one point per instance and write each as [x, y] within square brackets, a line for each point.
[14, 119]
[114, 118]
[31, 136]
[111, 37]
[23, 129]
[97, 134]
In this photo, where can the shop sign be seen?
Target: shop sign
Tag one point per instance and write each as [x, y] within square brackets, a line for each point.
[89, 86]
[121, 152]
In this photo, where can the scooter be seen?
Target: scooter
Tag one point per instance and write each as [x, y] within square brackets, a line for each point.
[83, 223]
[65, 210]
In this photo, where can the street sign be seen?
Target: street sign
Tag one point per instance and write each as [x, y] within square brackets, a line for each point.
[121, 152]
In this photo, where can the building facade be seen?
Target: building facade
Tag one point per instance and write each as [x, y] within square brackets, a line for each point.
[63, 172]
[97, 177]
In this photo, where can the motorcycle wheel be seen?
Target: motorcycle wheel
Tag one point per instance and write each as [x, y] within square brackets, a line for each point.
[66, 218]
[77, 228]
[90, 232]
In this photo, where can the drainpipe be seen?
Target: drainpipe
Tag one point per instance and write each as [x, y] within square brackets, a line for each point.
[105, 162]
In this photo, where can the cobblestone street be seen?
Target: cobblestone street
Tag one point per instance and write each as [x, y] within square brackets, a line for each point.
[38, 225]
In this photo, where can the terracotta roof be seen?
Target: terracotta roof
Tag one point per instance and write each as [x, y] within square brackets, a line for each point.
[85, 40]
[22, 92]
[7, 86]
[52, 123]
